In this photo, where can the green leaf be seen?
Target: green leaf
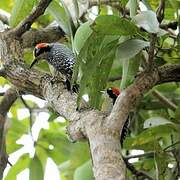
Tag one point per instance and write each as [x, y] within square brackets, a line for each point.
[53, 116]
[82, 34]
[149, 136]
[59, 13]
[156, 121]
[148, 21]
[126, 53]
[130, 48]
[19, 166]
[113, 25]
[17, 129]
[84, 172]
[20, 10]
[133, 7]
[36, 169]
[147, 4]
[95, 61]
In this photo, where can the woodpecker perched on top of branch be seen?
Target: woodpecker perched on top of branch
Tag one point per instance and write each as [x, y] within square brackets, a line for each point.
[113, 94]
[58, 55]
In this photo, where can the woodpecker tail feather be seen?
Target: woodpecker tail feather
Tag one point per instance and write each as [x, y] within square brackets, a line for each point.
[125, 131]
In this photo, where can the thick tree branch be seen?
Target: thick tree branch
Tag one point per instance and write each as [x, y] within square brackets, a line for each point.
[101, 130]
[48, 34]
[9, 98]
[169, 73]
[28, 21]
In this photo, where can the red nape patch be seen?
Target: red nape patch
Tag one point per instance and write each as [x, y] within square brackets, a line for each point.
[116, 91]
[41, 45]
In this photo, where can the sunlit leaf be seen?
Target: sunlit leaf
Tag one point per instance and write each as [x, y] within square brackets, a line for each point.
[36, 169]
[113, 25]
[149, 136]
[59, 13]
[82, 34]
[95, 61]
[148, 21]
[156, 121]
[84, 172]
[17, 129]
[20, 10]
[19, 166]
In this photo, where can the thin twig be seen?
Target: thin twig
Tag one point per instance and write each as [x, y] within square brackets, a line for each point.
[30, 112]
[153, 38]
[165, 101]
[28, 21]
[174, 144]
[160, 11]
[136, 172]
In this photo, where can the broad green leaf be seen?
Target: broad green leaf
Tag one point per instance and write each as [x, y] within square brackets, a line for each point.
[156, 121]
[133, 7]
[84, 172]
[126, 53]
[147, 4]
[19, 166]
[150, 135]
[175, 4]
[53, 116]
[6, 5]
[130, 69]
[59, 13]
[95, 61]
[113, 25]
[148, 21]
[36, 169]
[82, 34]
[17, 129]
[70, 23]
[130, 48]
[63, 148]
[21, 9]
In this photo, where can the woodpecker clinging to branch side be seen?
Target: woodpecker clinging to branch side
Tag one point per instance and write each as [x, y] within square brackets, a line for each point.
[58, 55]
[113, 94]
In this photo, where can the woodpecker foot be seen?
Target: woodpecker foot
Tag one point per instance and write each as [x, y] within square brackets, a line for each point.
[53, 80]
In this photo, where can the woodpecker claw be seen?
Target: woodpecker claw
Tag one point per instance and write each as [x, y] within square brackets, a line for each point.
[34, 62]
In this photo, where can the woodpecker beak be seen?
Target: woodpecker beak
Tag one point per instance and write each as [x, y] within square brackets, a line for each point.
[34, 62]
